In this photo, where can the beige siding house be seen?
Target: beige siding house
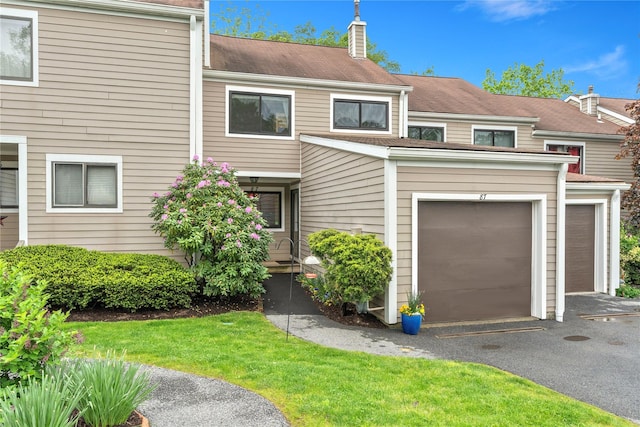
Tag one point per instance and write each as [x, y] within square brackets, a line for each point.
[101, 118]
[483, 199]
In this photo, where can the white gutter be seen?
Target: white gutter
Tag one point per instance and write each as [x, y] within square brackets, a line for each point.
[616, 115]
[245, 78]
[575, 135]
[401, 117]
[207, 31]
[598, 186]
[560, 241]
[127, 6]
[473, 117]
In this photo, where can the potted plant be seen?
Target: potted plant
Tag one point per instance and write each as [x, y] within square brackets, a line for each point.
[412, 313]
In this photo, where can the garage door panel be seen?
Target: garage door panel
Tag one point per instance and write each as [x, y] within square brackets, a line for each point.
[580, 248]
[475, 260]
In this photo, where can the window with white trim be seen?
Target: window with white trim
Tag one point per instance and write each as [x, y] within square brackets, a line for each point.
[574, 150]
[260, 112]
[355, 113]
[84, 183]
[18, 47]
[494, 137]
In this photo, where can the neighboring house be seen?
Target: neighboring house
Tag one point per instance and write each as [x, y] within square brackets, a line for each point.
[99, 108]
[323, 135]
[610, 109]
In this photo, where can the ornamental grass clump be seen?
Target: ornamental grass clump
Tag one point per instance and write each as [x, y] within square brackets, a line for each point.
[413, 306]
[206, 214]
[113, 389]
[47, 401]
[31, 336]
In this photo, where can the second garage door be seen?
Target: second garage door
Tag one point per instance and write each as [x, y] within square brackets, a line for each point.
[474, 260]
[580, 248]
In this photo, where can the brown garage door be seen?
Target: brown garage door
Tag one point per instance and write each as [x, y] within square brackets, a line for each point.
[474, 260]
[580, 248]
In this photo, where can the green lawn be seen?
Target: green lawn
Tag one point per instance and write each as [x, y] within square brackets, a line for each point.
[318, 386]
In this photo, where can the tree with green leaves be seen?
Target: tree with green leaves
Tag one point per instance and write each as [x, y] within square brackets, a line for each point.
[524, 80]
[247, 23]
[630, 147]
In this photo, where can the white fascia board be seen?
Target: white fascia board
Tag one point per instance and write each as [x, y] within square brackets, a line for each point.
[268, 174]
[400, 153]
[572, 98]
[116, 6]
[472, 117]
[353, 147]
[245, 78]
[582, 187]
[616, 115]
[538, 133]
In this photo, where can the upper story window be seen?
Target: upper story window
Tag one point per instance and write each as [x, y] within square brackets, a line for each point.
[84, 183]
[428, 133]
[574, 150]
[353, 113]
[18, 47]
[265, 113]
[495, 137]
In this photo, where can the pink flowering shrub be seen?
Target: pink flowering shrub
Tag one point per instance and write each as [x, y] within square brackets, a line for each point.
[207, 215]
[30, 336]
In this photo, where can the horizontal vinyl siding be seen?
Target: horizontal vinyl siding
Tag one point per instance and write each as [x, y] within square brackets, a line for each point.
[109, 85]
[341, 190]
[600, 160]
[613, 119]
[461, 132]
[413, 179]
[312, 115]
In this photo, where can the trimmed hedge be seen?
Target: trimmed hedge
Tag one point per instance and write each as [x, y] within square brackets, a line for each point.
[78, 278]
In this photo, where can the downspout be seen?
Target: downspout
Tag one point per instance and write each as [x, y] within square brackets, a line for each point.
[401, 118]
[207, 31]
[614, 235]
[560, 240]
[195, 88]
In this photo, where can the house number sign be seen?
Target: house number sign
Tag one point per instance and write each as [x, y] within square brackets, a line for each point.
[483, 196]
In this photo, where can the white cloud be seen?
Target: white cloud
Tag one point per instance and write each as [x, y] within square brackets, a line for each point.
[509, 10]
[607, 65]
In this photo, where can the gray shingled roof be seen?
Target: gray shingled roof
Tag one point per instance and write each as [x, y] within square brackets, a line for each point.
[576, 177]
[294, 60]
[456, 96]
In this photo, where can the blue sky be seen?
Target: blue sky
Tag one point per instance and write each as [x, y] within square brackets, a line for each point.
[595, 42]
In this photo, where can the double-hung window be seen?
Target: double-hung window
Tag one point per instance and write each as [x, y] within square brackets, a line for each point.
[262, 113]
[18, 47]
[84, 183]
[495, 137]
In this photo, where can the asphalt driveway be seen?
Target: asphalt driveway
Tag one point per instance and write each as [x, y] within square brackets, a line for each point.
[596, 361]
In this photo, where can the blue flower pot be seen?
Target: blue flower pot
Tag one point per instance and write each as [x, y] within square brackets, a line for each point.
[411, 324]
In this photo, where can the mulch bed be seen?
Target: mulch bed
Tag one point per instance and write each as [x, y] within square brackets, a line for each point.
[209, 306]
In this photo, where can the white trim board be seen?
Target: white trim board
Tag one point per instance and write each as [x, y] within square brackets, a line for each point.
[23, 199]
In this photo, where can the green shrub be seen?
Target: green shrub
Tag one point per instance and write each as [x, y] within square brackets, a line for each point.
[79, 278]
[30, 335]
[112, 389]
[317, 287]
[207, 215]
[357, 267]
[628, 291]
[48, 401]
[630, 264]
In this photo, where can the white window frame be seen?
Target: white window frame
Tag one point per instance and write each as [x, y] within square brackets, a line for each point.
[78, 158]
[33, 15]
[384, 99]
[514, 129]
[582, 145]
[430, 125]
[280, 190]
[265, 91]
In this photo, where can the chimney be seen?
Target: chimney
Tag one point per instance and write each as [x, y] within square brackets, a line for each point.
[357, 35]
[589, 102]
